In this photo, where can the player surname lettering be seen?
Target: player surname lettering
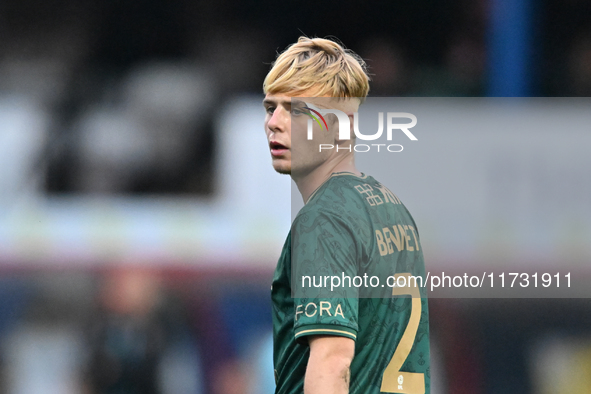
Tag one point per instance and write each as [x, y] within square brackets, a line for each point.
[399, 236]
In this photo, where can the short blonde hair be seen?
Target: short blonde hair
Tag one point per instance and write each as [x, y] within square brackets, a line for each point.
[320, 65]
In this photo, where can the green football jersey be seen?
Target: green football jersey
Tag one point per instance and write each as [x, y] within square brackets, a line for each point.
[354, 229]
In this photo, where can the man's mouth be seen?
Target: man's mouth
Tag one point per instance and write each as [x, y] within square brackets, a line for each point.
[277, 149]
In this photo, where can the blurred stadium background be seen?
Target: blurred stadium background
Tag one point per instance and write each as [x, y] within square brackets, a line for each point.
[140, 220]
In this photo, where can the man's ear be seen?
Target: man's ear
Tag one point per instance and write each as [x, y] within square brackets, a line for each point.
[333, 126]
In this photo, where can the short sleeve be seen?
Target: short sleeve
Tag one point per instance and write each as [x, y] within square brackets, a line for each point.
[323, 266]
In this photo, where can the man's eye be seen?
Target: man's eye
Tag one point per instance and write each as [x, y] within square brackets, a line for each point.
[270, 110]
[297, 111]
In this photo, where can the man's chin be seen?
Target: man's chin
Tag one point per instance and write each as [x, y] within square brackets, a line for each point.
[285, 170]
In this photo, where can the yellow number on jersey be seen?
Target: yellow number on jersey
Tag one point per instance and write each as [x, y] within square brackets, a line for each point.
[393, 380]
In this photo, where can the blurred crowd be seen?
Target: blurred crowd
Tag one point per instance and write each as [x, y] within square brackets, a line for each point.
[134, 331]
[114, 97]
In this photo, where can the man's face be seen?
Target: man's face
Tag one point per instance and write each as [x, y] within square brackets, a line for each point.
[286, 124]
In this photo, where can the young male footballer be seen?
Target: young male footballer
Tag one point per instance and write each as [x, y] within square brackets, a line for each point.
[355, 339]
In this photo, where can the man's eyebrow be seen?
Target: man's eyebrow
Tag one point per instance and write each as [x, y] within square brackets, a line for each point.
[267, 102]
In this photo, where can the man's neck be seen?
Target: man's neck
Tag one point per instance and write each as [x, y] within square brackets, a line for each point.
[308, 183]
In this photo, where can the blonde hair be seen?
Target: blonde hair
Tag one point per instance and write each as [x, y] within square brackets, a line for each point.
[320, 65]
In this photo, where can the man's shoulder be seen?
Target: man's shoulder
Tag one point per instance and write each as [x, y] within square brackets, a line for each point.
[341, 202]
[336, 197]
[354, 193]
[340, 188]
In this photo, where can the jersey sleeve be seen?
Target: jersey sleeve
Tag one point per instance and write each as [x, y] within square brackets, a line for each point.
[324, 267]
